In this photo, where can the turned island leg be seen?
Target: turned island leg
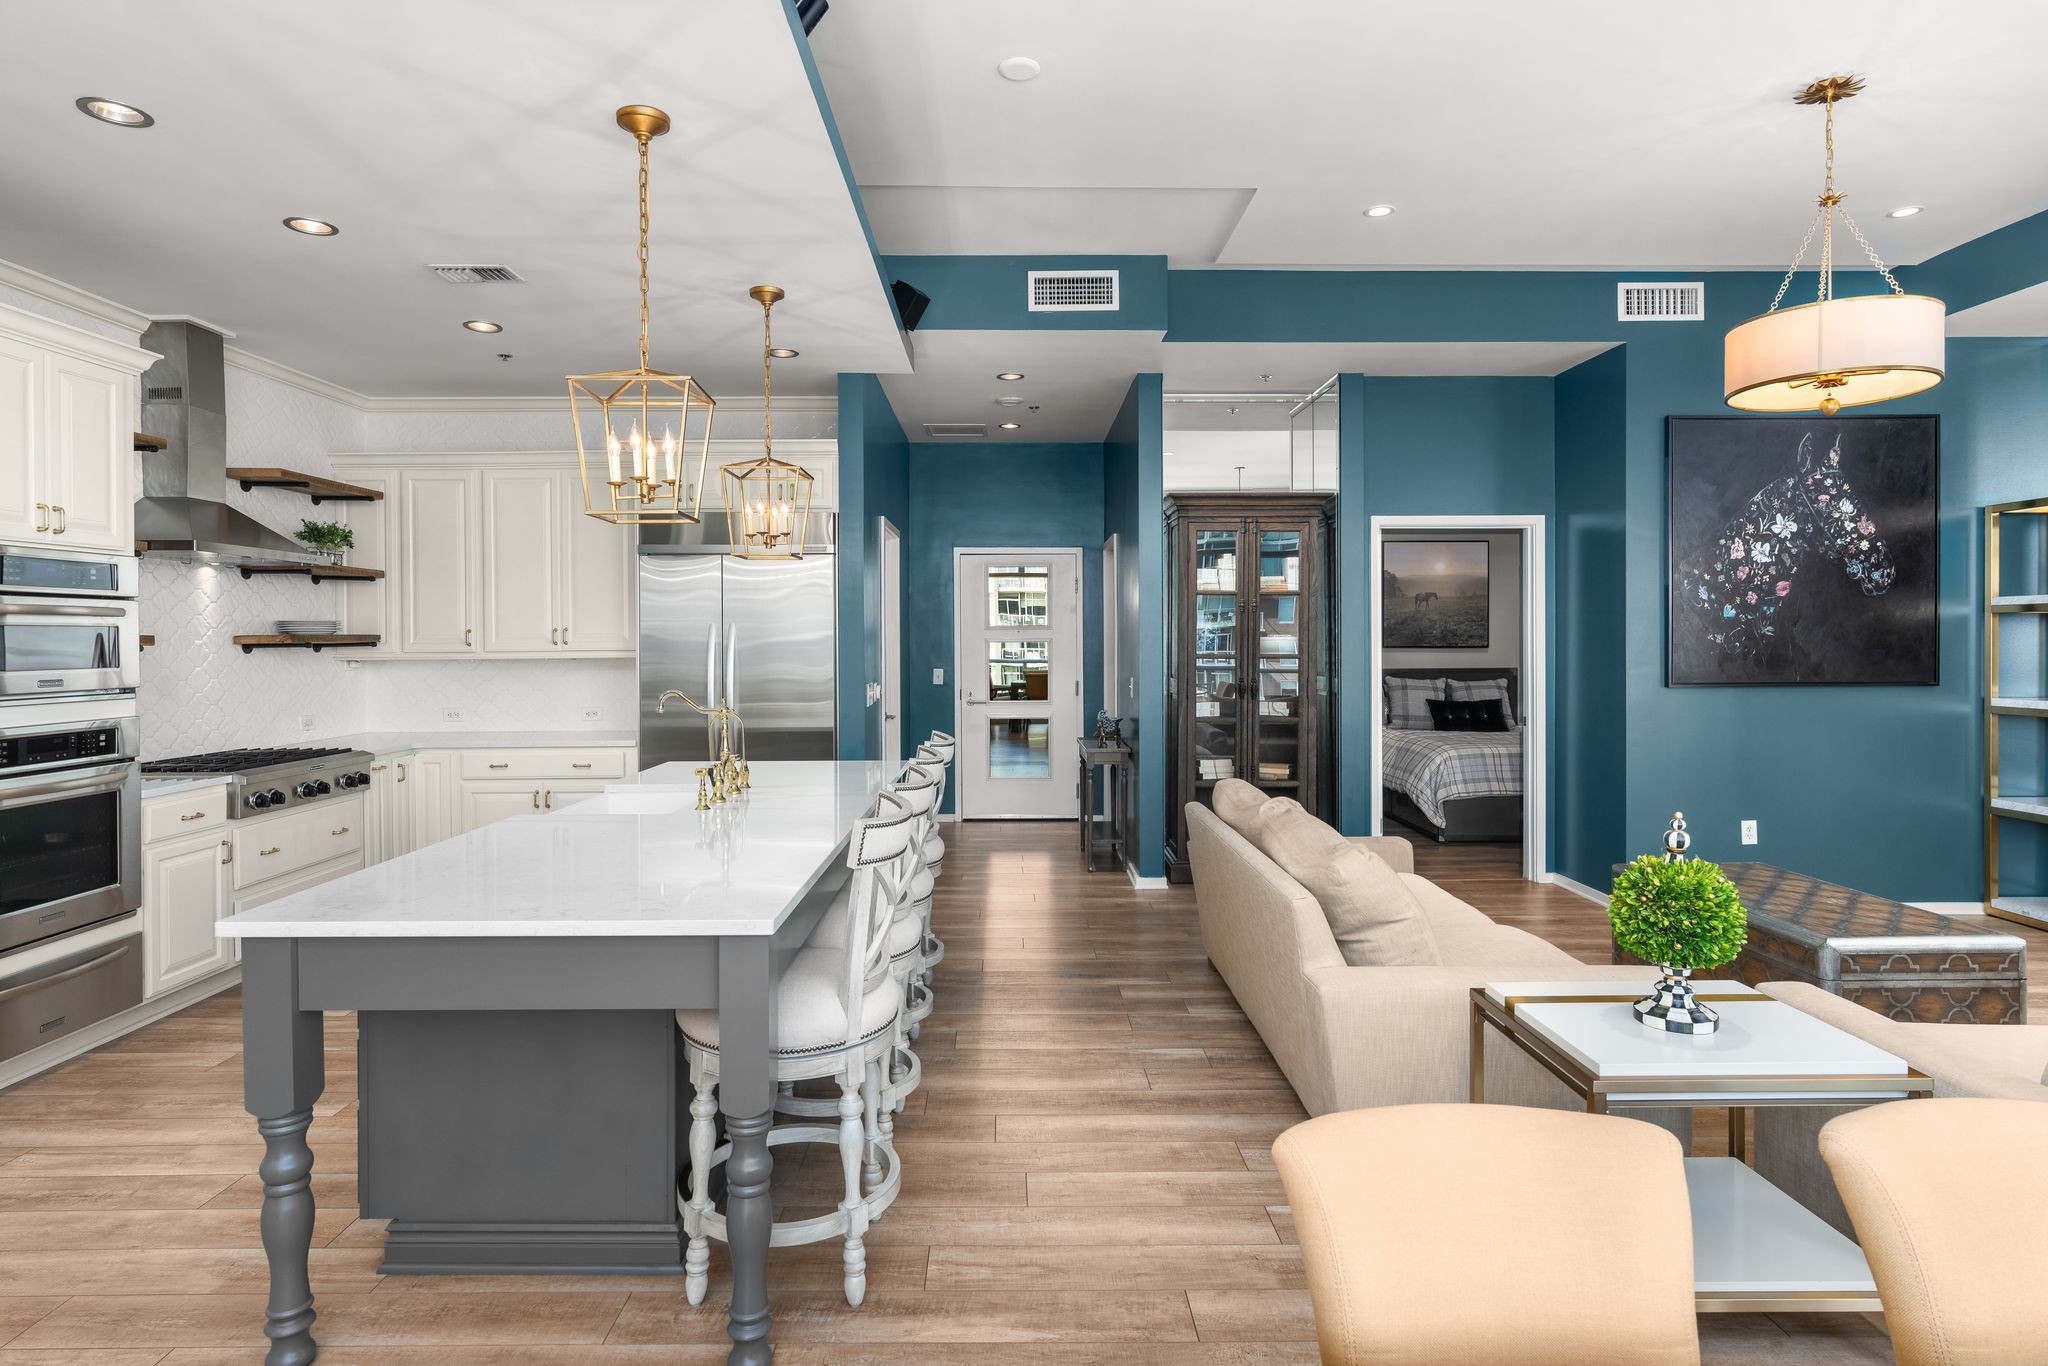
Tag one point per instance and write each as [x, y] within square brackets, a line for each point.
[746, 1093]
[283, 1073]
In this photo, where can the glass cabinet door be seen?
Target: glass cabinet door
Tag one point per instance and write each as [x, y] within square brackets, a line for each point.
[1214, 671]
[1275, 717]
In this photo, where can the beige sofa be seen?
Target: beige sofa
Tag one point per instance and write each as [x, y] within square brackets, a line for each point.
[2001, 1062]
[1350, 1037]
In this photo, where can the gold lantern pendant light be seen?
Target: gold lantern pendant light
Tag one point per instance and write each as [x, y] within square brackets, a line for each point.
[767, 501]
[1834, 353]
[641, 475]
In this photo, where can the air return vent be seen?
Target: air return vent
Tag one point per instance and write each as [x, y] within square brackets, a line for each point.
[478, 275]
[955, 429]
[1073, 291]
[1662, 301]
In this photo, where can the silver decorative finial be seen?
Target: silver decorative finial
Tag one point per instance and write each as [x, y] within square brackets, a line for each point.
[1676, 841]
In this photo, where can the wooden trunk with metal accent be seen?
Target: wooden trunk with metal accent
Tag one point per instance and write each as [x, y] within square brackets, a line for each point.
[1247, 652]
[1898, 960]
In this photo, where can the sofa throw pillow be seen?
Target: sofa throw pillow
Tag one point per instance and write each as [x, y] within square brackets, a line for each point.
[1480, 689]
[1487, 715]
[1408, 701]
[1375, 919]
[1237, 803]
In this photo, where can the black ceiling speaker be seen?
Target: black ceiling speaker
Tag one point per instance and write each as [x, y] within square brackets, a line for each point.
[911, 302]
[809, 12]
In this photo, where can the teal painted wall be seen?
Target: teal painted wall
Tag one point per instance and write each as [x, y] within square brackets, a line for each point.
[874, 483]
[1351, 602]
[1589, 636]
[1133, 502]
[1025, 494]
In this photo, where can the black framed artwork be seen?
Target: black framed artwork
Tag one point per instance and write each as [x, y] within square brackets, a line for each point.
[1803, 550]
[1436, 595]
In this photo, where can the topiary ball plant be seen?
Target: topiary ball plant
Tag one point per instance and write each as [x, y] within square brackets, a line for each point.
[1682, 915]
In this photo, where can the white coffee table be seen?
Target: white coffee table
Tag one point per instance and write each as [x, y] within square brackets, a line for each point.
[1755, 1248]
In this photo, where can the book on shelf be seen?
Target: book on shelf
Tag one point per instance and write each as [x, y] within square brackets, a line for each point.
[1275, 773]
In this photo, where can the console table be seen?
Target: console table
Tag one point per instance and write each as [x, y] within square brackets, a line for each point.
[1897, 960]
[1113, 762]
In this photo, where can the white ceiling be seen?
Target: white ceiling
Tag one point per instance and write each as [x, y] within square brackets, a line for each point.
[1572, 133]
[455, 131]
[2022, 313]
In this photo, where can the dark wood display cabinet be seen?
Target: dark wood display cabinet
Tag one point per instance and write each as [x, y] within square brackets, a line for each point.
[1248, 622]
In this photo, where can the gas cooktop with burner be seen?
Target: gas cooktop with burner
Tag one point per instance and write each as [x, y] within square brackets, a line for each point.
[273, 779]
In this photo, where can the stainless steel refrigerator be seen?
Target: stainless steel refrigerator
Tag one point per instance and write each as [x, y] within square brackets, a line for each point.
[758, 633]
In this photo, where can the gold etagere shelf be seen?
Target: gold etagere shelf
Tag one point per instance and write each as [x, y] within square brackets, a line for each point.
[2030, 705]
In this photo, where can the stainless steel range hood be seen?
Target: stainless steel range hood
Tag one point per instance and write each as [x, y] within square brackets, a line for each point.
[183, 513]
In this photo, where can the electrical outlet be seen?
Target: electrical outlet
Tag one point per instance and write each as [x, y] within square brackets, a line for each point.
[305, 723]
[451, 713]
[1749, 832]
[938, 678]
[593, 713]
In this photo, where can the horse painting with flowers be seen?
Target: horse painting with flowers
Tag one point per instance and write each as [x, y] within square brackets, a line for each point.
[1797, 585]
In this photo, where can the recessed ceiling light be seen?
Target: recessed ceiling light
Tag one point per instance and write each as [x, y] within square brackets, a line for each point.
[114, 112]
[312, 227]
[1010, 376]
[1907, 211]
[1008, 401]
[479, 325]
[1018, 69]
[1009, 426]
[1379, 211]
[783, 352]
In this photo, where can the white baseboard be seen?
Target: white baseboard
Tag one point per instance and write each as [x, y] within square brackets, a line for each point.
[1576, 888]
[1949, 907]
[39, 1060]
[1145, 884]
[949, 817]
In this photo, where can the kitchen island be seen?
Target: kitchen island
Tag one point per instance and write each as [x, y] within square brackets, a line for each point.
[518, 1071]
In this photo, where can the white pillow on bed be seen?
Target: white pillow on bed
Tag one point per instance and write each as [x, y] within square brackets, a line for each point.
[1481, 689]
[1407, 701]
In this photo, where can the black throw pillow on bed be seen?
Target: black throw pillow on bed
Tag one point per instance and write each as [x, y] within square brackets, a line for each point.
[1486, 714]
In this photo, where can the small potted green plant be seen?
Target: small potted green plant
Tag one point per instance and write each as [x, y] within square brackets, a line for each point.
[332, 538]
[1683, 915]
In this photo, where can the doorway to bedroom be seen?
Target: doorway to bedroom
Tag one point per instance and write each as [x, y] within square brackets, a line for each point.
[1457, 645]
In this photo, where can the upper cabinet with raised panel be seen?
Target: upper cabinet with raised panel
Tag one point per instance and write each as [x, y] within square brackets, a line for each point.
[67, 421]
[437, 576]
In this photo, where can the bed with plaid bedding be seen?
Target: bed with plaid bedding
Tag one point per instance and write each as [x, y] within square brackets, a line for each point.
[1437, 766]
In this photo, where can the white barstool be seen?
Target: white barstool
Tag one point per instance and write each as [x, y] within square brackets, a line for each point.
[838, 1013]
[941, 747]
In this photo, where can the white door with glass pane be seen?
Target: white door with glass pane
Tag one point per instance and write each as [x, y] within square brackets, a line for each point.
[1019, 682]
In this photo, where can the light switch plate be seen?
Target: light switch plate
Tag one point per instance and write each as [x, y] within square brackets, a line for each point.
[1749, 832]
[874, 693]
[938, 678]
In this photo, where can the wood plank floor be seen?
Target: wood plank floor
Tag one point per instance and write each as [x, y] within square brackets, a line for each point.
[1088, 1176]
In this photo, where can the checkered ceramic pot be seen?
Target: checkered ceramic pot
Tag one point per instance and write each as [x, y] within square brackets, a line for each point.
[1672, 1007]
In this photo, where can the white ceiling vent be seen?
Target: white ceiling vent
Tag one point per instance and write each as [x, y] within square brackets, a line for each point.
[1664, 301]
[478, 275]
[1073, 291]
[955, 429]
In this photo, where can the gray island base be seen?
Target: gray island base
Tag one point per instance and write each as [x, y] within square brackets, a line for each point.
[519, 1090]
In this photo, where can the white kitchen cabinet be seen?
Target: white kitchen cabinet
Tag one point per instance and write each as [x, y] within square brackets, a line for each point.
[437, 561]
[523, 531]
[23, 506]
[67, 423]
[556, 795]
[595, 585]
[184, 891]
[270, 889]
[497, 783]
[273, 846]
[89, 435]
[431, 802]
[485, 803]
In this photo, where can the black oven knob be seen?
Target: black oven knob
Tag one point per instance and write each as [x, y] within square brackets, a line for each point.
[346, 781]
[276, 797]
[322, 788]
[306, 790]
[256, 801]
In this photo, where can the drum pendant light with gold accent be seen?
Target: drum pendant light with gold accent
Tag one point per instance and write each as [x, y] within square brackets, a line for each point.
[767, 501]
[1834, 353]
[636, 469]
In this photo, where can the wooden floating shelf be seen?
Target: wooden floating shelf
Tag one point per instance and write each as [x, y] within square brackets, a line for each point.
[250, 644]
[314, 486]
[316, 572]
[146, 641]
[145, 442]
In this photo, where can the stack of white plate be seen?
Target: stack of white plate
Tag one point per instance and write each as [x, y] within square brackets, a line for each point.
[308, 628]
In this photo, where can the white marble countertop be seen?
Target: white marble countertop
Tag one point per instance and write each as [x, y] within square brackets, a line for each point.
[628, 863]
[390, 741]
[171, 784]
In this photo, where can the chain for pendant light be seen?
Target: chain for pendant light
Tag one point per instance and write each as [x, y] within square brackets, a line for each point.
[642, 140]
[1824, 214]
[767, 378]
